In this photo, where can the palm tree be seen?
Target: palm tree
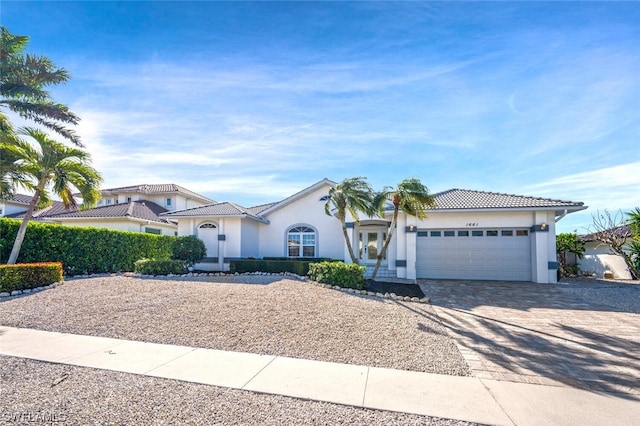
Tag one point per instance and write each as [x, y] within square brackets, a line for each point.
[352, 195]
[23, 80]
[51, 164]
[410, 196]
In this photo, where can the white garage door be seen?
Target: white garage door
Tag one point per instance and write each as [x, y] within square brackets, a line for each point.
[478, 254]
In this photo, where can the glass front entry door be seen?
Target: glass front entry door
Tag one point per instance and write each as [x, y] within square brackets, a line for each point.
[370, 243]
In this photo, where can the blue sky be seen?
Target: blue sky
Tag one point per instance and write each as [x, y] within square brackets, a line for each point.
[251, 102]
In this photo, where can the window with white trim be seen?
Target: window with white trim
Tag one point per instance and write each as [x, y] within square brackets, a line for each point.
[301, 242]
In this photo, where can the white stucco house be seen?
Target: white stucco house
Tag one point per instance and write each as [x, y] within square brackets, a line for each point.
[135, 208]
[468, 235]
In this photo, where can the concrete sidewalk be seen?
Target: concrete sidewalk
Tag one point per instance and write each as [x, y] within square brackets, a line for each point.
[463, 398]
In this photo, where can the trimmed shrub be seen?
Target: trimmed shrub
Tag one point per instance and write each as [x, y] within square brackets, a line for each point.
[270, 266]
[29, 275]
[338, 273]
[189, 248]
[160, 267]
[83, 250]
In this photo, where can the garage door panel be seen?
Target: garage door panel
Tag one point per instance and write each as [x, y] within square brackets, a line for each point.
[486, 257]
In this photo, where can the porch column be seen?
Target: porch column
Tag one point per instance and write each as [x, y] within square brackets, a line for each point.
[400, 262]
[351, 227]
[541, 263]
[411, 232]
[221, 244]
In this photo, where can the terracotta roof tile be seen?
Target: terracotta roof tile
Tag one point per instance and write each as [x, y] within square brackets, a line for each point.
[463, 199]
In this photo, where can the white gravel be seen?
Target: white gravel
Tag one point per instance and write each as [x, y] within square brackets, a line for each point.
[284, 317]
[621, 295]
[32, 390]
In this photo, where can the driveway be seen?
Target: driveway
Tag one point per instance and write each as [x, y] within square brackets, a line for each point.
[551, 334]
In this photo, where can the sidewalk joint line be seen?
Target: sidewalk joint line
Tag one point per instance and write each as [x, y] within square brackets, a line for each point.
[366, 383]
[171, 360]
[261, 370]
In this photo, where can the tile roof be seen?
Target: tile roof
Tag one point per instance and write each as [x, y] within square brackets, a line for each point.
[218, 209]
[20, 199]
[622, 231]
[144, 210]
[56, 208]
[262, 207]
[464, 199]
[164, 188]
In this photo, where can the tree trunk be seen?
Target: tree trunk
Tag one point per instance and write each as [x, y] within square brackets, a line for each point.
[387, 240]
[17, 244]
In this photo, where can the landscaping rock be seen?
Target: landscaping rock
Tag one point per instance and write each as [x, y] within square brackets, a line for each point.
[16, 293]
[5, 294]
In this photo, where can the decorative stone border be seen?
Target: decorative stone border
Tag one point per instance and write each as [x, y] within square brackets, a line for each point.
[354, 291]
[29, 290]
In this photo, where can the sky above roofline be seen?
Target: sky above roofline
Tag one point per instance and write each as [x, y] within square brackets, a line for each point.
[251, 102]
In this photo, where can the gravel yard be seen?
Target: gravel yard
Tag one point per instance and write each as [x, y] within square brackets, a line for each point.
[621, 295]
[271, 315]
[32, 390]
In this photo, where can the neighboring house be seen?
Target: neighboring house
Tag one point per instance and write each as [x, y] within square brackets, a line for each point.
[599, 259]
[468, 235]
[17, 204]
[133, 208]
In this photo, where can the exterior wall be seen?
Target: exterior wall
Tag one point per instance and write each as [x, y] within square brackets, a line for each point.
[250, 239]
[10, 208]
[598, 260]
[543, 242]
[308, 210]
[178, 201]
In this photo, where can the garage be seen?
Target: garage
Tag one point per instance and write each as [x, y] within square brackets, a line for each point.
[502, 254]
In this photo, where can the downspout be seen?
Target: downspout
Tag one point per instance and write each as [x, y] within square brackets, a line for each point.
[562, 215]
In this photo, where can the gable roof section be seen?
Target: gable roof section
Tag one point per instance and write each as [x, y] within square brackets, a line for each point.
[464, 199]
[622, 231]
[56, 208]
[19, 199]
[225, 209]
[143, 210]
[297, 196]
[165, 188]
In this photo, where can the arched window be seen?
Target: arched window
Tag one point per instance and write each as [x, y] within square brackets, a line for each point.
[207, 225]
[301, 242]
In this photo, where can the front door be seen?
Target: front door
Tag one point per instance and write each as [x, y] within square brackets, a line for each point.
[370, 243]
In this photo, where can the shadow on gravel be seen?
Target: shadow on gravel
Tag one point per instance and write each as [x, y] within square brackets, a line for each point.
[411, 290]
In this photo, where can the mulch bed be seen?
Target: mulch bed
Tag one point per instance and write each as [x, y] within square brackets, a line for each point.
[411, 290]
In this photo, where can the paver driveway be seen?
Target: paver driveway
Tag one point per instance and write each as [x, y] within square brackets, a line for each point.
[541, 333]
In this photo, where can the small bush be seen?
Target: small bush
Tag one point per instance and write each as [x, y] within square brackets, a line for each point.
[29, 275]
[338, 273]
[160, 267]
[189, 248]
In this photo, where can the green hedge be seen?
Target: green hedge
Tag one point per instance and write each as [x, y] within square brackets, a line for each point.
[83, 250]
[29, 275]
[160, 267]
[299, 267]
[338, 273]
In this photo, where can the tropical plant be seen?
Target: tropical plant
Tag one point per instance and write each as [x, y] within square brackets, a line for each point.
[611, 231]
[352, 195]
[23, 82]
[568, 242]
[410, 196]
[50, 166]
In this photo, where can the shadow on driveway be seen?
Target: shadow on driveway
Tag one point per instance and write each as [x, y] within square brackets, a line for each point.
[538, 333]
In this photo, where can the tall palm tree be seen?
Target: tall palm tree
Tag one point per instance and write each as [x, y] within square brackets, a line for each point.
[23, 82]
[410, 196]
[352, 195]
[53, 167]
